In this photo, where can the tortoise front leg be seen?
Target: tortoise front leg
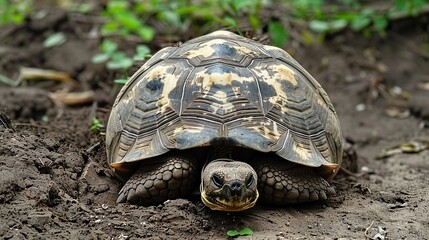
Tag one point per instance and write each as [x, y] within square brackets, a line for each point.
[281, 182]
[168, 177]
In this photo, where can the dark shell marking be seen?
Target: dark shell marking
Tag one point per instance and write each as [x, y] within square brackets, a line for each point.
[222, 86]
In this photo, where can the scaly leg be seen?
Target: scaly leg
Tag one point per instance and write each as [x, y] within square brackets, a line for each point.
[281, 182]
[168, 177]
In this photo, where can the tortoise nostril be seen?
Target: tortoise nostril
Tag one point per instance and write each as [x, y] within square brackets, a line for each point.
[236, 186]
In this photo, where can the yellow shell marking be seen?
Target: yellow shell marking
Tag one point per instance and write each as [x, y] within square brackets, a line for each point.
[224, 79]
[205, 50]
[273, 76]
[302, 152]
[283, 72]
[169, 83]
[221, 95]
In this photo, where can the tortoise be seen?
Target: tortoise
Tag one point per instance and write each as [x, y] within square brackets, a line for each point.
[243, 120]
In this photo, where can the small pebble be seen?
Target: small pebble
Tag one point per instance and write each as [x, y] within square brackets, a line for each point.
[360, 107]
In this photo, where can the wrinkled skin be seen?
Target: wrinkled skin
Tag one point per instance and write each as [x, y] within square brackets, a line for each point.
[228, 185]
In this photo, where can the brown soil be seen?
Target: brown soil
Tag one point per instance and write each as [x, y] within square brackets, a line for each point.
[55, 183]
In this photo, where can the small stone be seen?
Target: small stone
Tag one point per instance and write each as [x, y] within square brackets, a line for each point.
[360, 107]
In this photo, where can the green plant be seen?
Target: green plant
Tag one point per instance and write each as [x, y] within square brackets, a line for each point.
[243, 232]
[55, 39]
[324, 18]
[410, 7]
[122, 18]
[97, 126]
[14, 11]
[118, 60]
[125, 18]
[278, 33]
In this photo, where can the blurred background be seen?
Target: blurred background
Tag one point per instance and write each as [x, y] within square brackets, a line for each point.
[98, 42]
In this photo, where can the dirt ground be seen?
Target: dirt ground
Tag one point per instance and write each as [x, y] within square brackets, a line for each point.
[55, 183]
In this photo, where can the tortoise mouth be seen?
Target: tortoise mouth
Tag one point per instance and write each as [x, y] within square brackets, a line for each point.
[229, 205]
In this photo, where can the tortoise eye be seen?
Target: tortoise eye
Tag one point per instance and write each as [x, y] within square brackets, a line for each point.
[217, 180]
[249, 180]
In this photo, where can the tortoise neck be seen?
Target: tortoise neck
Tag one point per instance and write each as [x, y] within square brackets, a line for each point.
[220, 152]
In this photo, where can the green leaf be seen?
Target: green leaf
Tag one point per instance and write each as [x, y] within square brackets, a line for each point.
[337, 24]
[54, 40]
[124, 32]
[401, 5]
[278, 33]
[146, 32]
[121, 80]
[348, 16]
[229, 21]
[380, 23]
[319, 26]
[254, 21]
[118, 56]
[232, 233]
[245, 231]
[140, 7]
[367, 12]
[108, 46]
[123, 63]
[96, 125]
[81, 7]
[360, 22]
[114, 7]
[142, 52]
[100, 58]
[128, 20]
[240, 4]
[184, 10]
[109, 28]
[170, 17]
[143, 49]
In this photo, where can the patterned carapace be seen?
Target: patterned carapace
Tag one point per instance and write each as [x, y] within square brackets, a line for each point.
[224, 87]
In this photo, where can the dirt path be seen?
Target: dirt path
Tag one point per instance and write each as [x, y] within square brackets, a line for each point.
[54, 182]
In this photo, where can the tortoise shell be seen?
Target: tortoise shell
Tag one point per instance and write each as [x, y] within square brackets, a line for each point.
[219, 87]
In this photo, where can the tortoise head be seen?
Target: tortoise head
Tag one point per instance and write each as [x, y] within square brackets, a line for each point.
[228, 185]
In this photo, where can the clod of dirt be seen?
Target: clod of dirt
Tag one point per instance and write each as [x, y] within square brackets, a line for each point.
[27, 103]
[71, 57]
[420, 105]
[45, 19]
[10, 183]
